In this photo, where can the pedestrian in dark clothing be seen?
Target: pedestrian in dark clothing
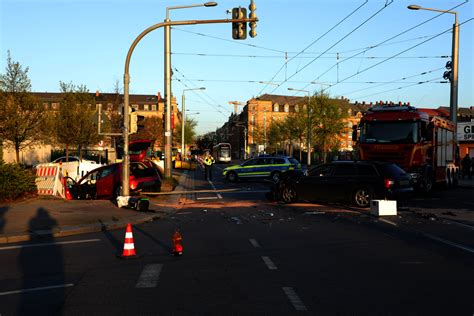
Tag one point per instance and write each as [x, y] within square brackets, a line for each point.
[208, 162]
[466, 166]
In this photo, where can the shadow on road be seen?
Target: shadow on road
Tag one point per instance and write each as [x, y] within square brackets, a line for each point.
[42, 267]
[116, 244]
[165, 247]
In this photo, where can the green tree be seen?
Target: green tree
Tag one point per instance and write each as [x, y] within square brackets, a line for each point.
[153, 130]
[75, 122]
[189, 132]
[328, 122]
[21, 114]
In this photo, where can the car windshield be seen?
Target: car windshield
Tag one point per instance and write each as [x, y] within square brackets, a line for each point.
[389, 132]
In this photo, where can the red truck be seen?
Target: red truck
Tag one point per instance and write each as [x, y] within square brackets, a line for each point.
[422, 144]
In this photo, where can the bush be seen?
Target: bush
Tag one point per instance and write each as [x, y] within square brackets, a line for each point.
[15, 181]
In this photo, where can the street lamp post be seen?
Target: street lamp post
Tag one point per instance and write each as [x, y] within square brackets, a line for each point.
[308, 138]
[167, 80]
[166, 24]
[453, 100]
[183, 120]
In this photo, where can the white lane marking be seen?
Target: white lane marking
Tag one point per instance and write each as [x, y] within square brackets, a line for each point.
[459, 224]
[37, 289]
[214, 187]
[269, 263]
[207, 198]
[184, 213]
[294, 299]
[49, 244]
[246, 192]
[450, 243]
[149, 276]
[387, 221]
[254, 243]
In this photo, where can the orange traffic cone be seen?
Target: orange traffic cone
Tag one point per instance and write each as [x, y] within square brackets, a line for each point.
[177, 244]
[128, 246]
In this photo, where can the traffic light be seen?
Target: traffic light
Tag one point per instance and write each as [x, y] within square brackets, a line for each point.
[136, 122]
[252, 15]
[239, 29]
[448, 74]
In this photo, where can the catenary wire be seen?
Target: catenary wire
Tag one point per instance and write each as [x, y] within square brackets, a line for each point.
[395, 55]
[385, 41]
[312, 43]
[340, 40]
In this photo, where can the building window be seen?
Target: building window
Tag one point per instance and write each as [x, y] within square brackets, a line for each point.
[297, 108]
[135, 106]
[146, 107]
[55, 106]
[45, 105]
[153, 107]
[253, 119]
[287, 108]
[276, 107]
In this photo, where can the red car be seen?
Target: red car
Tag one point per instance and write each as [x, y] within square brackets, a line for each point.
[105, 182]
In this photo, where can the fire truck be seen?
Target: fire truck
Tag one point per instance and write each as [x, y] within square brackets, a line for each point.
[423, 145]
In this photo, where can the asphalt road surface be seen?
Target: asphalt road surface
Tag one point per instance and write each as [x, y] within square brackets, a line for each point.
[242, 255]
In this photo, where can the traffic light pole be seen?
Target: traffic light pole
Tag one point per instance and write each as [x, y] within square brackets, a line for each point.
[126, 79]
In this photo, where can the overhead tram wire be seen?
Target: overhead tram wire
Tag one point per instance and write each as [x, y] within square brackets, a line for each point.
[400, 80]
[393, 56]
[385, 41]
[312, 43]
[216, 105]
[228, 40]
[302, 57]
[295, 81]
[344, 37]
[404, 87]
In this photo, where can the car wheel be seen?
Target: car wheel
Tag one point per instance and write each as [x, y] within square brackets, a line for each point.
[427, 184]
[275, 176]
[362, 197]
[289, 195]
[232, 176]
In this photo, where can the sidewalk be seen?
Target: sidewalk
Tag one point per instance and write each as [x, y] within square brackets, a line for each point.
[466, 182]
[40, 217]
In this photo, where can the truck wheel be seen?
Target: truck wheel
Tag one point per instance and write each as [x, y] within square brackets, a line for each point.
[427, 182]
[289, 194]
[232, 176]
[449, 178]
[362, 197]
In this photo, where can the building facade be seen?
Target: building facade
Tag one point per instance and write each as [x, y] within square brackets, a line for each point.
[110, 104]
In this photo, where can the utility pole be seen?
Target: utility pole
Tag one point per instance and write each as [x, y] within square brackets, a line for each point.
[308, 131]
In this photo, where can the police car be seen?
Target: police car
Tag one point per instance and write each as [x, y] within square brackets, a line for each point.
[265, 167]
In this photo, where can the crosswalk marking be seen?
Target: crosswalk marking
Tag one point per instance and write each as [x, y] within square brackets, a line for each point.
[149, 276]
[254, 243]
[269, 263]
[294, 299]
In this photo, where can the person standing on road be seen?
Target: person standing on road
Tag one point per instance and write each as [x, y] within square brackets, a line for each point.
[208, 162]
[466, 166]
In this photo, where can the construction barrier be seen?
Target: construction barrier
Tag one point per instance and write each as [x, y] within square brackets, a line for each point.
[46, 177]
[190, 165]
[50, 181]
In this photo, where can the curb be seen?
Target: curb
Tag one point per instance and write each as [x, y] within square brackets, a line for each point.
[95, 227]
[76, 230]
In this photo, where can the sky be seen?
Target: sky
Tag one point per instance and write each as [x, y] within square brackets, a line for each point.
[361, 50]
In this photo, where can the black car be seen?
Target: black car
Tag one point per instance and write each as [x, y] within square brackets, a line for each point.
[354, 181]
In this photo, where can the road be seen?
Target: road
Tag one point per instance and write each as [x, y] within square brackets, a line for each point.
[246, 255]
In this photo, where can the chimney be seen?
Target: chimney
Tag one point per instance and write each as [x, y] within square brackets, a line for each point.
[159, 96]
[97, 93]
